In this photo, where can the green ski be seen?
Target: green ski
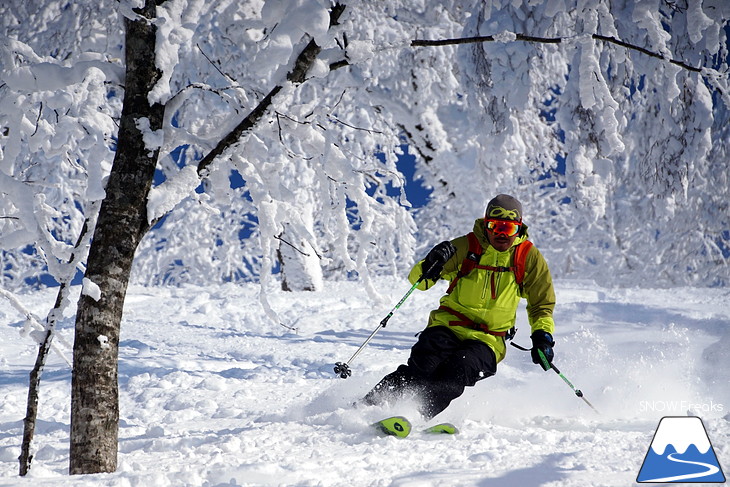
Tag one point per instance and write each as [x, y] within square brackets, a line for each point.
[395, 426]
[400, 427]
[442, 429]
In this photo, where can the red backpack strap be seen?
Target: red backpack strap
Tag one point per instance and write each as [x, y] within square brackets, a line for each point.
[520, 257]
[470, 261]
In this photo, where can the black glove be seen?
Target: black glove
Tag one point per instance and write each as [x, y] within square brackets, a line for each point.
[434, 262]
[542, 340]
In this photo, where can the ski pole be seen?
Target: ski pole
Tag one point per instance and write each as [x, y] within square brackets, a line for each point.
[548, 365]
[578, 392]
[343, 369]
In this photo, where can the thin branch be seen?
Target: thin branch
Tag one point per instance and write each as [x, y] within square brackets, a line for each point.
[550, 40]
[278, 237]
[477, 39]
[370, 131]
[290, 118]
[339, 100]
[333, 118]
[217, 91]
[290, 152]
[621, 43]
[290, 328]
[206, 87]
[37, 120]
[226, 76]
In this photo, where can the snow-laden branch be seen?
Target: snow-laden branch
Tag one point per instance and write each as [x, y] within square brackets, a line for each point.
[297, 75]
[32, 322]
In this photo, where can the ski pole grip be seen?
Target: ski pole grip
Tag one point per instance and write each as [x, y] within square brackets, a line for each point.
[424, 272]
[546, 365]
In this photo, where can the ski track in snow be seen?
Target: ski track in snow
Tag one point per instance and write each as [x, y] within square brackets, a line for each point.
[212, 394]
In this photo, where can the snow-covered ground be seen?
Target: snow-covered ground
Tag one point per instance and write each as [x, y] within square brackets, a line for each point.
[212, 394]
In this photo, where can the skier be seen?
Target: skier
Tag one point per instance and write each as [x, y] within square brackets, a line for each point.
[489, 270]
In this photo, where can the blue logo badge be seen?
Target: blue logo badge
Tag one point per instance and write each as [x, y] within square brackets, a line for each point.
[681, 452]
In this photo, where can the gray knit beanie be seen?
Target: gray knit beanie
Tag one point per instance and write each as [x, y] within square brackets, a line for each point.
[504, 207]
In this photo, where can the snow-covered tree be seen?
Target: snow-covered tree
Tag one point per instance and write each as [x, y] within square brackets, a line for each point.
[599, 140]
[597, 115]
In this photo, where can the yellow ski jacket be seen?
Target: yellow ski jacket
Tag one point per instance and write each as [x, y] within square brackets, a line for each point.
[491, 300]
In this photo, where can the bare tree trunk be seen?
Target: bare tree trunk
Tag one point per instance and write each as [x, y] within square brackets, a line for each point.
[44, 349]
[31, 412]
[121, 225]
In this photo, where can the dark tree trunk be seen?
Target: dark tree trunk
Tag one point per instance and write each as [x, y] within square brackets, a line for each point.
[44, 349]
[121, 225]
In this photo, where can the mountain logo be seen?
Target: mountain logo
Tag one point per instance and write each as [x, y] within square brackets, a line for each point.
[680, 452]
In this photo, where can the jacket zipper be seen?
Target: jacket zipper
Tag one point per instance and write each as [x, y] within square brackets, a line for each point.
[489, 282]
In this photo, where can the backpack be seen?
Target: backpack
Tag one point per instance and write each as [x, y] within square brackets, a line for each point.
[471, 262]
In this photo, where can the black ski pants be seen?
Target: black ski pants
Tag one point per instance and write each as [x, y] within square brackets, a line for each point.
[439, 368]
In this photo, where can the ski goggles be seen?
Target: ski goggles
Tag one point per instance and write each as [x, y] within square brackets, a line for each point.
[505, 227]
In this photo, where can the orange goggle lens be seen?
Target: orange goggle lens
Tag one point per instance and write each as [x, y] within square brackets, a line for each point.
[508, 228]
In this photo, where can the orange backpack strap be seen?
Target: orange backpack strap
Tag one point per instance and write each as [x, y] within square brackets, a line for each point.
[465, 321]
[520, 257]
[470, 261]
